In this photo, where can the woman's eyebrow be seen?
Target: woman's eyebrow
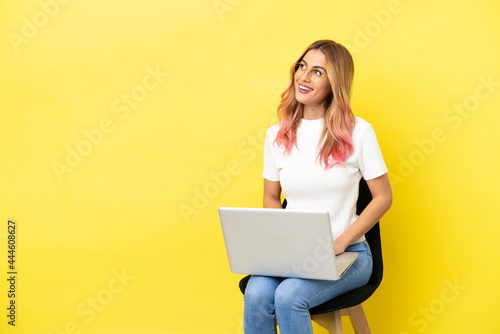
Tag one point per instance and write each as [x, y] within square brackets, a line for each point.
[319, 67]
[313, 66]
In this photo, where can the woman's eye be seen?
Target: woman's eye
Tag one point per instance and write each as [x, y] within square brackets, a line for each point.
[317, 73]
[302, 66]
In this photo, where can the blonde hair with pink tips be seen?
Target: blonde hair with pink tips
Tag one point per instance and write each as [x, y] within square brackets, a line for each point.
[339, 119]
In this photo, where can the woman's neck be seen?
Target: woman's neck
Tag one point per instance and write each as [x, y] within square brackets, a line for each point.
[313, 112]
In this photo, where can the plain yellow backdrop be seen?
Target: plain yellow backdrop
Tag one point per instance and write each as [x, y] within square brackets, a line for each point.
[126, 124]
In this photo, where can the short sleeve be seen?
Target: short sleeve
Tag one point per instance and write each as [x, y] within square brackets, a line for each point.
[371, 161]
[271, 171]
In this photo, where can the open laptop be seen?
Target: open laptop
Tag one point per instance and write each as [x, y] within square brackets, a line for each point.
[283, 243]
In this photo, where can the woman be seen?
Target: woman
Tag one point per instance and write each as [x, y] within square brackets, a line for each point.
[316, 156]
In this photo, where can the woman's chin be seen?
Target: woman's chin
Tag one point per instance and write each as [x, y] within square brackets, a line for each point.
[301, 99]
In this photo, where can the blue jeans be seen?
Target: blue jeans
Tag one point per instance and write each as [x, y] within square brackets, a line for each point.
[289, 299]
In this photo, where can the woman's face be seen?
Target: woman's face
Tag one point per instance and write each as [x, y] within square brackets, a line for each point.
[307, 91]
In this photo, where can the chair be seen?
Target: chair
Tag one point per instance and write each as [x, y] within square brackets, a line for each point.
[328, 315]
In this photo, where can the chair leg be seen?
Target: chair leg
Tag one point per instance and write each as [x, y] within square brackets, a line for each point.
[337, 323]
[331, 321]
[358, 320]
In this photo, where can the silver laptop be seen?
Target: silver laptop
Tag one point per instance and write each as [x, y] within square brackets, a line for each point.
[283, 243]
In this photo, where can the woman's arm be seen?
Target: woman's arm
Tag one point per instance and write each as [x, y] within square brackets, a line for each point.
[272, 194]
[380, 189]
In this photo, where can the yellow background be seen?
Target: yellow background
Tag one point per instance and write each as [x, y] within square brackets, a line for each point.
[142, 203]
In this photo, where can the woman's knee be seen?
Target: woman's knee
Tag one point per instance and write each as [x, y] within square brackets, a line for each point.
[287, 298]
[259, 294]
[256, 298]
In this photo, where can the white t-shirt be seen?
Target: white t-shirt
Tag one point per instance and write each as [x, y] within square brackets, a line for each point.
[307, 185]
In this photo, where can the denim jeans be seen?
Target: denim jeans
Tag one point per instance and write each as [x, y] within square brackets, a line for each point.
[289, 299]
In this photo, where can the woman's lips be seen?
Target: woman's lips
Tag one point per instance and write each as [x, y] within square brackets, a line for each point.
[304, 89]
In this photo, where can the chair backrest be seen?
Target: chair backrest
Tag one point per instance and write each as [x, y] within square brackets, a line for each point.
[372, 236]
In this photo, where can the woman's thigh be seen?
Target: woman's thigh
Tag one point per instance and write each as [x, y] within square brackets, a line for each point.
[310, 293]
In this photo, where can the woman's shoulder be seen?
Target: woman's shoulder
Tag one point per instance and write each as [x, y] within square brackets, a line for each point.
[361, 126]
[272, 132]
[360, 123]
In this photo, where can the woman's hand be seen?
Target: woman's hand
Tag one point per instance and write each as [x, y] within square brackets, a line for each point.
[339, 246]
